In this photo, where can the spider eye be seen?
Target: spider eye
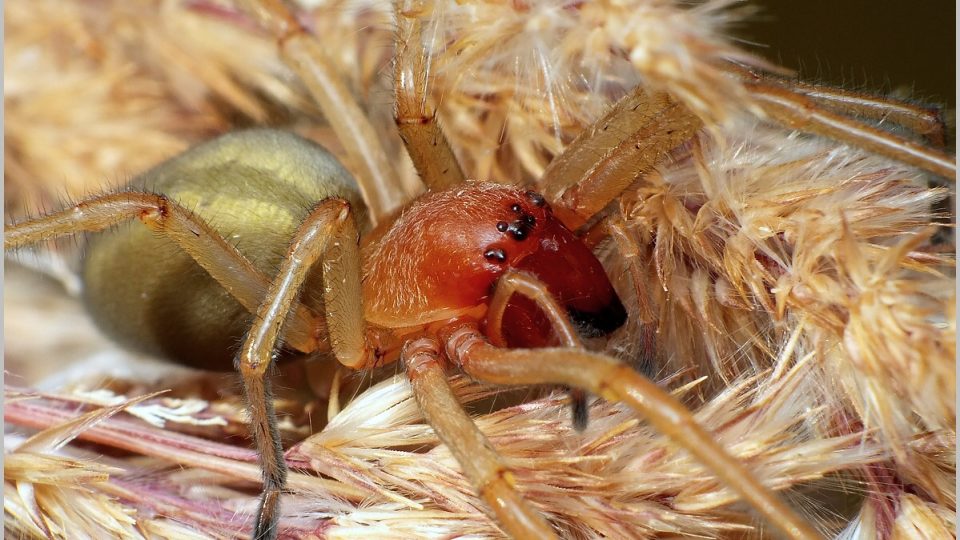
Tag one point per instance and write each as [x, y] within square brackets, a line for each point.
[517, 231]
[535, 198]
[574, 277]
[495, 255]
[520, 228]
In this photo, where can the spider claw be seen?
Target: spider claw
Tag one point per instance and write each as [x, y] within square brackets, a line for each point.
[581, 413]
[267, 516]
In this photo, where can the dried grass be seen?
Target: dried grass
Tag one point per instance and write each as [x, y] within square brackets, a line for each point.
[798, 303]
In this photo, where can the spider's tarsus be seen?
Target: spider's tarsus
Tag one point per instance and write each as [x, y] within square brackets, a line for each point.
[581, 413]
[267, 514]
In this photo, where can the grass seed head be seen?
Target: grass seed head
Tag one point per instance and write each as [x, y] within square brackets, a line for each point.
[790, 287]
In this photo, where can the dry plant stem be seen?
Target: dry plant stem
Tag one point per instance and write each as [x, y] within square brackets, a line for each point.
[311, 242]
[803, 113]
[605, 158]
[305, 56]
[184, 450]
[480, 462]
[613, 381]
[416, 114]
[218, 257]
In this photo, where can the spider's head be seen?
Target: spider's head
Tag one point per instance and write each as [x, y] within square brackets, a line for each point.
[518, 231]
[534, 241]
[443, 257]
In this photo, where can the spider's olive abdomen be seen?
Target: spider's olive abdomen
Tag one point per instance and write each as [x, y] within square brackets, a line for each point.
[254, 188]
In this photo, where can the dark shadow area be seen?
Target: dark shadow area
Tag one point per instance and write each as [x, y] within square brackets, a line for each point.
[886, 46]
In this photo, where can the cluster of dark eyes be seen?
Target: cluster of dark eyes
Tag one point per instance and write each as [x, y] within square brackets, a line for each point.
[519, 228]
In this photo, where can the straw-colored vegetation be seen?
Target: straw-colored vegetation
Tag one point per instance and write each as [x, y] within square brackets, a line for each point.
[790, 289]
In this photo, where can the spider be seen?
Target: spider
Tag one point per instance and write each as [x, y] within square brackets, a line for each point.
[507, 293]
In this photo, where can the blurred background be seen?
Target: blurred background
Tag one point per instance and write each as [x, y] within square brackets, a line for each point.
[907, 48]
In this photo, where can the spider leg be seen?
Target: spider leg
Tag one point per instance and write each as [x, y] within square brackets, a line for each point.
[518, 282]
[634, 136]
[416, 114]
[306, 57]
[925, 122]
[802, 112]
[629, 249]
[217, 256]
[796, 104]
[479, 461]
[328, 235]
[512, 282]
[614, 381]
[641, 128]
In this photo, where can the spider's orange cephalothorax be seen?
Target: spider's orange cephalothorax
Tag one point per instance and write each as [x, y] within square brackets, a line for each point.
[443, 256]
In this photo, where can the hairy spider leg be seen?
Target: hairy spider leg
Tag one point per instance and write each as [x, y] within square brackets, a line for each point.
[479, 461]
[925, 122]
[614, 381]
[830, 112]
[643, 127]
[628, 248]
[636, 134]
[415, 113]
[802, 113]
[328, 235]
[302, 52]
